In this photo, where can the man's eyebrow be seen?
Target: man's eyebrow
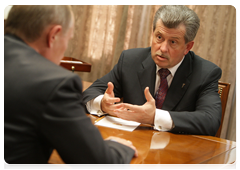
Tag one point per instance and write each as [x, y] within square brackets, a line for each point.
[175, 37]
[158, 32]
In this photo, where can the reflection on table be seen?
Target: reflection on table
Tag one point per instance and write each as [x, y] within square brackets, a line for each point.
[166, 148]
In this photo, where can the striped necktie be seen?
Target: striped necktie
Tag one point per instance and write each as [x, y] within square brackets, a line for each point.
[162, 90]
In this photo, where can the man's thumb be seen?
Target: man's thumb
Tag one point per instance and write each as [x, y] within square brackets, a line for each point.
[110, 88]
[148, 95]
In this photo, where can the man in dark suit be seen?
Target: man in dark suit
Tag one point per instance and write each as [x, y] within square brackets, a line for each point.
[191, 104]
[43, 107]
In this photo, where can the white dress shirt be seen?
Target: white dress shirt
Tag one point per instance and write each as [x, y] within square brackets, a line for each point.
[162, 120]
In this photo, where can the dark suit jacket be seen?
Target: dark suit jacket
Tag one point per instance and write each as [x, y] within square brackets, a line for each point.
[192, 99]
[43, 110]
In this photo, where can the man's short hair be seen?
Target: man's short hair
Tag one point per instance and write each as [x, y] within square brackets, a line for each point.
[174, 15]
[29, 21]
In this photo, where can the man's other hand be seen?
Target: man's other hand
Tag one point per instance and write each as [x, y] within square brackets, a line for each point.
[108, 101]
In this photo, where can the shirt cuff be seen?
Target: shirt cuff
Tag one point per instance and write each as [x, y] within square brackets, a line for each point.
[94, 106]
[163, 120]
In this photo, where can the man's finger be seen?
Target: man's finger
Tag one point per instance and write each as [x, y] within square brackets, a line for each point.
[110, 88]
[115, 106]
[112, 100]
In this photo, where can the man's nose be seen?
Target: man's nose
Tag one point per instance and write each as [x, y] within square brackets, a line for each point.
[164, 47]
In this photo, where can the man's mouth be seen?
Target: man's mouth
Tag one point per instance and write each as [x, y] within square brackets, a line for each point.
[162, 56]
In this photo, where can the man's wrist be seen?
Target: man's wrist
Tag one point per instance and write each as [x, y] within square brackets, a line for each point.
[162, 120]
[93, 106]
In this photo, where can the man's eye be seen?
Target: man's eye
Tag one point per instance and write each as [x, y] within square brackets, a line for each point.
[173, 42]
[159, 37]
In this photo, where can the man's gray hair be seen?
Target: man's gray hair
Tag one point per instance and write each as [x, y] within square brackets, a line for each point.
[29, 21]
[174, 15]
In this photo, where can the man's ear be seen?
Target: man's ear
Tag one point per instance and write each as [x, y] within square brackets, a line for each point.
[52, 34]
[189, 47]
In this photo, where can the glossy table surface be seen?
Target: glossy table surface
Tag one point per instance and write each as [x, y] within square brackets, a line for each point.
[167, 148]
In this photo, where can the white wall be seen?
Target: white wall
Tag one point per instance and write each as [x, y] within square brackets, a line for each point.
[6, 11]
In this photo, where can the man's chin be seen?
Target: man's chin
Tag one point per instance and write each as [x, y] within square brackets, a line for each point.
[162, 63]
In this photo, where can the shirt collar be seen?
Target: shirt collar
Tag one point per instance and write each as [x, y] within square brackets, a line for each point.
[172, 69]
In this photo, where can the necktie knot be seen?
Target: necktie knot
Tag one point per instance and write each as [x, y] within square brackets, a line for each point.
[163, 72]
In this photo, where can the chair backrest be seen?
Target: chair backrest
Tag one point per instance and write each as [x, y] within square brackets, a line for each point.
[223, 90]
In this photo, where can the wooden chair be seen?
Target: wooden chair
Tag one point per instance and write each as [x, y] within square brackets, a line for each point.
[223, 90]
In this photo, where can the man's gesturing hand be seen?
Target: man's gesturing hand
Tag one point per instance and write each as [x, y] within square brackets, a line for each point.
[143, 114]
[108, 101]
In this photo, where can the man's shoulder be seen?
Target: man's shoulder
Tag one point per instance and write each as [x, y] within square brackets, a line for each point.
[197, 60]
[136, 54]
[18, 53]
[137, 51]
[55, 73]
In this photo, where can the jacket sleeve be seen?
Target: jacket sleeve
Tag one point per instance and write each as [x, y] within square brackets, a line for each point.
[206, 117]
[67, 128]
[100, 85]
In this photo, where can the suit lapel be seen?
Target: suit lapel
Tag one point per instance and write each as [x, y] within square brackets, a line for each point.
[147, 74]
[179, 85]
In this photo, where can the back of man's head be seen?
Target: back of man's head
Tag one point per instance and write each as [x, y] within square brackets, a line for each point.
[29, 21]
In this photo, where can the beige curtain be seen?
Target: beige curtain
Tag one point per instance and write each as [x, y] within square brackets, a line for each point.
[103, 32]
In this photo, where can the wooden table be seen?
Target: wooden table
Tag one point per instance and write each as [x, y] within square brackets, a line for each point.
[75, 64]
[166, 148]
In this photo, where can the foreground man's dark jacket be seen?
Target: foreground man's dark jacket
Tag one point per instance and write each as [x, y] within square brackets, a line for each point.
[43, 110]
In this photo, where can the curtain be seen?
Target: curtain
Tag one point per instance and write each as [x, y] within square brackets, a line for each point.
[102, 32]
